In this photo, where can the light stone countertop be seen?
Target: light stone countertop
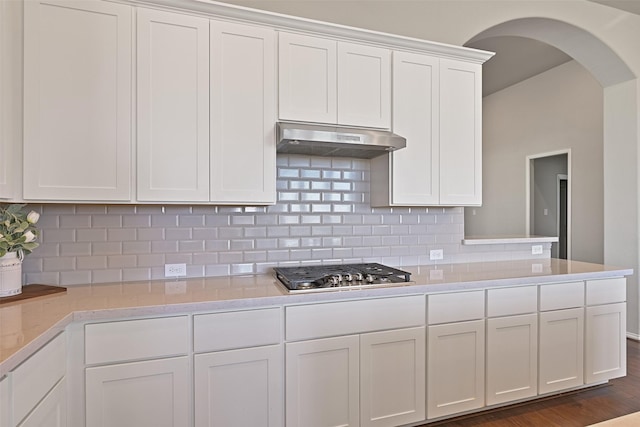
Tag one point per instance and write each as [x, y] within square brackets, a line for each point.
[27, 325]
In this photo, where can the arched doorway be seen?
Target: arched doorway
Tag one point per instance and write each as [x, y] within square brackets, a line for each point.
[620, 134]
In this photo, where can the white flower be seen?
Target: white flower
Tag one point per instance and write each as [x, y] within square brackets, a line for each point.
[33, 217]
[29, 236]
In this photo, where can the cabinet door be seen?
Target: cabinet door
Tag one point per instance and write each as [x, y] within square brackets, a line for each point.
[243, 147]
[4, 402]
[392, 377]
[512, 358]
[460, 133]
[77, 100]
[8, 102]
[51, 411]
[142, 394]
[561, 350]
[239, 388]
[364, 86]
[606, 344]
[455, 368]
[411, 176]
[307, 76]
[322, 387]
[173, 107]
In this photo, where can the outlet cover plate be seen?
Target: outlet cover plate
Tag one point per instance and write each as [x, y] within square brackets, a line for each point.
[536, 249]
[175, 270]
[436, 254]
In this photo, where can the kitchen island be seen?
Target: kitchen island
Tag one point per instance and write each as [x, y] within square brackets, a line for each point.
[205, 323]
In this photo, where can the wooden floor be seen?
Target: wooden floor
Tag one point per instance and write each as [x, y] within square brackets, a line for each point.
[619, 397]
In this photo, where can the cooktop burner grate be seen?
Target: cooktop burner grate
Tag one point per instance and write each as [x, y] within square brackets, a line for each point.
[318, 277]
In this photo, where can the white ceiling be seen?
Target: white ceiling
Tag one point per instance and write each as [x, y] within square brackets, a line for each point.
[519, 58]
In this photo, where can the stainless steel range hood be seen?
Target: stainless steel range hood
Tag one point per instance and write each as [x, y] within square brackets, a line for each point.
[335, 141]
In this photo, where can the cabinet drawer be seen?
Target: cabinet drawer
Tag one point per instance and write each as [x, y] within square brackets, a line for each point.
[455, 307]
[510, 301]
[606, 291]
[136, 339]
[353, 317]
[238, 329]
[33, 379]
[558, 296]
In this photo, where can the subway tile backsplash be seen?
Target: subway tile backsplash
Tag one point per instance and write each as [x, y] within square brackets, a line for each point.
[322, 215]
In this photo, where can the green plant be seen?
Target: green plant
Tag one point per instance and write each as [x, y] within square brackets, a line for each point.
[17, 230]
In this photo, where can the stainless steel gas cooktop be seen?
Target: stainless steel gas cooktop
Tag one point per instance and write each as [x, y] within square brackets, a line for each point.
[342, 276]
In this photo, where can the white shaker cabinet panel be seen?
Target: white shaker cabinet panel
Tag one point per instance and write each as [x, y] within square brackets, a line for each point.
[411, 176]
[392, 377]
[143, 394]
[307, 76]
[460, 133]
[455, 368]
[322, 382]
[240, 388]
[173, 107]
[243, 102]
[512, 358]
[606, 343]
[4, 402]
[77, 100]
[364, 85]
[51, 411]
[561, 349]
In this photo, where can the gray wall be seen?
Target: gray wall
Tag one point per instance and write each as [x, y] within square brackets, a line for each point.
[563, 110]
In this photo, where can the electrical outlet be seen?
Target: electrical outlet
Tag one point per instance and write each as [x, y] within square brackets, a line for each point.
[175, 270]
[536, 249]
[436, 254]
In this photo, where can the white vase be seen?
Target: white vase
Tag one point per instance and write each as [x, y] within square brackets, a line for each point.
[10, 274]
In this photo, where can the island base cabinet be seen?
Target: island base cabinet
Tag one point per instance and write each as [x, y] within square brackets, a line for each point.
[322, 382]
[455, 368]
[152, 393]
[4, 402]
[561, 349]
[606, 345]
[239, 388]
[51, 411]
[512, 358]
[392, 377]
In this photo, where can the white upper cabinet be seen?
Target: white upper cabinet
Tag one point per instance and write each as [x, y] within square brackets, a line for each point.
[326, 81]
[411, 175]
[460, 133]
[243, 91]
[307, 76]
[364, 86]
[437, 108]
[77, 100]
[173, 107]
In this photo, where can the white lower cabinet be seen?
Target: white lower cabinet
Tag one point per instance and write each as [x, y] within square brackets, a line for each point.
[606, 344]
[51, 411]
[561, 350]
[153, 393]
[4, 402]
[38, 387]
[455, 368]
[512, 358]
[605, 330]
[322, 382]
[239, 388]
[392, 377]
[374, 379]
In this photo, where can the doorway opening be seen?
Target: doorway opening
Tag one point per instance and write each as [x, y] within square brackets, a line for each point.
[548, 211]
